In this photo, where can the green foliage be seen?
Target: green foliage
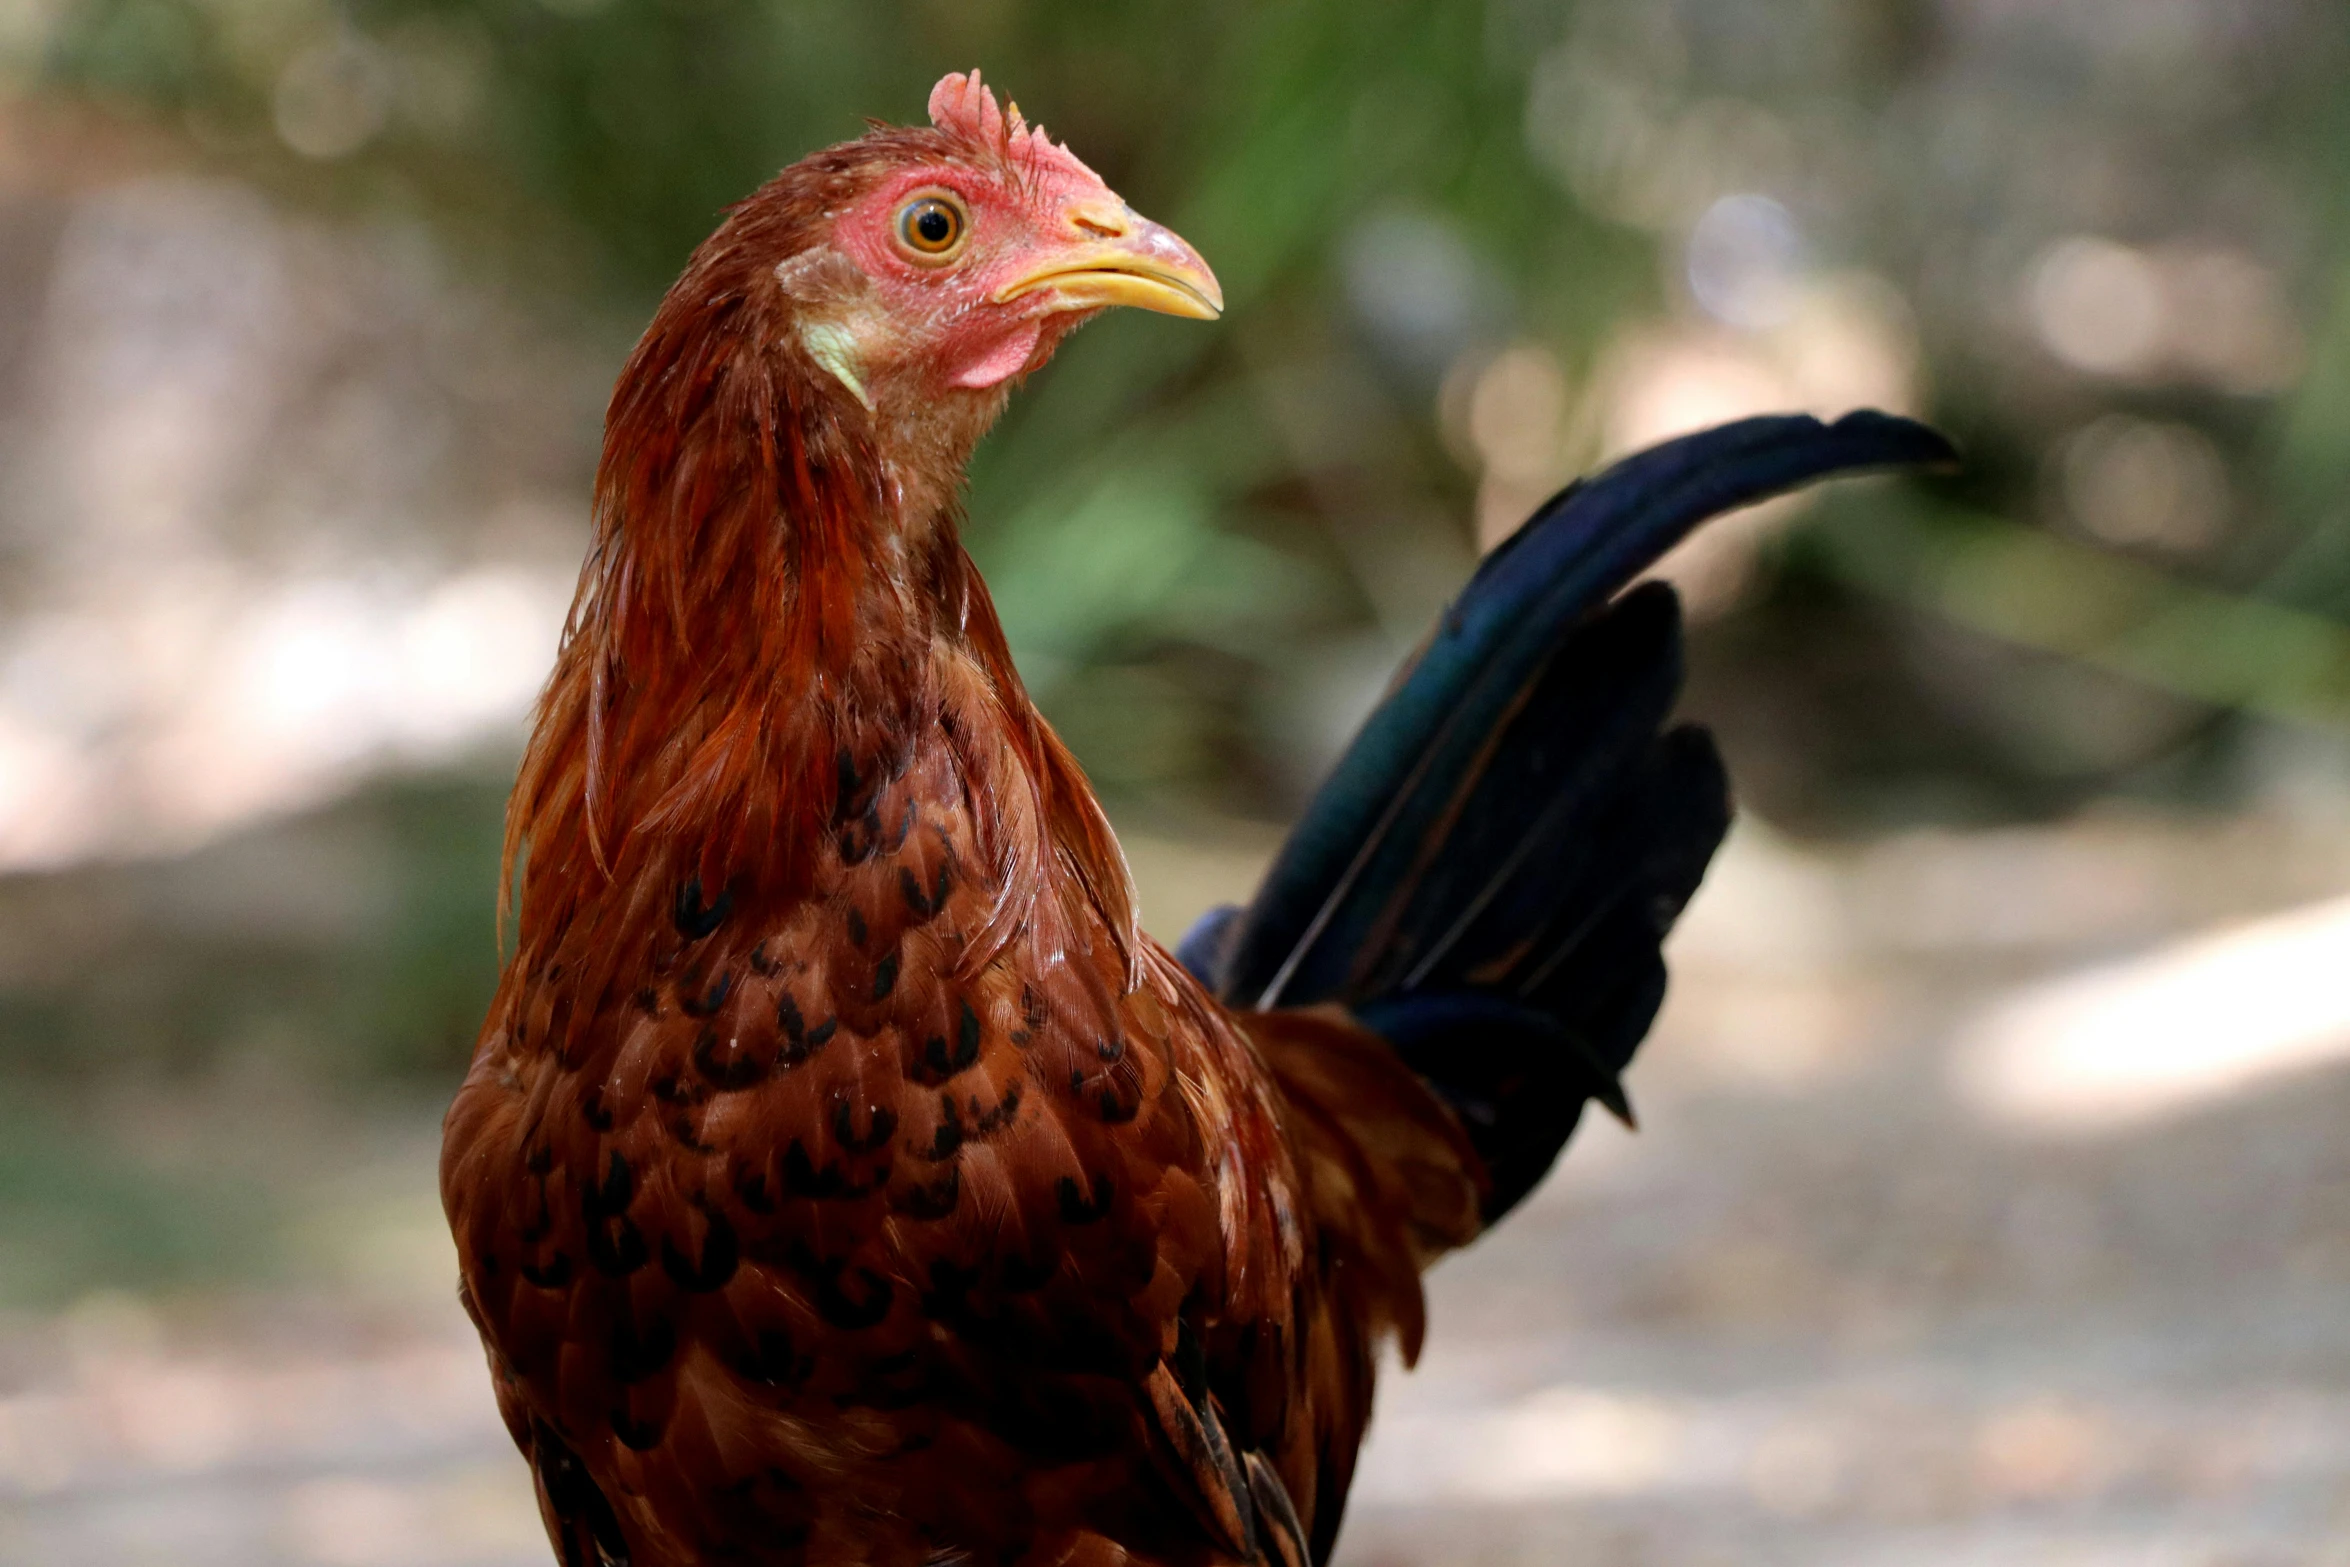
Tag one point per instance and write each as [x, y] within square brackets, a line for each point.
[80, 1211]
[351, 941]
[1187, 527]
[1138, 505]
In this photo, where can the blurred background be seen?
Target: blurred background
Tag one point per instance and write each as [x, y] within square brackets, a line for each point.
[1992, 1204]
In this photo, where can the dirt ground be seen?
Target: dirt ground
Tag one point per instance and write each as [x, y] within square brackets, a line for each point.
[1930, 1251]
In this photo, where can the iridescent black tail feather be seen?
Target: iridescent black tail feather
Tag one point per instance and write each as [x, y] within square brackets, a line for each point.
[1488, 874]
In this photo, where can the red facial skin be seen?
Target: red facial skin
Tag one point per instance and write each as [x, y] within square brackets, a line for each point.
[961, 321]
[943, 313]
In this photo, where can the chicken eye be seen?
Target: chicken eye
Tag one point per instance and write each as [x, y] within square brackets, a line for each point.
[931, 227]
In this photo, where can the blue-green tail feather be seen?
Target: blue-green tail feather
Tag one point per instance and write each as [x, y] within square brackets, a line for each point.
[1488, 873]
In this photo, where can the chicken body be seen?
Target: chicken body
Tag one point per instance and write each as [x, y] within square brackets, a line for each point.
[827, 1243]
[841, 1176]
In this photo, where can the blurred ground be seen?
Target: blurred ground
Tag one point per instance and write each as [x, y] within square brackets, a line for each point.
[1857, 1293]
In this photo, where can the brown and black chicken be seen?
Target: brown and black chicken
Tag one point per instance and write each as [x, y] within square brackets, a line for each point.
[842, 1176]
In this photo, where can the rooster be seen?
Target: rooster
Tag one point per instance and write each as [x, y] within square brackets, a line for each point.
[842, 1176]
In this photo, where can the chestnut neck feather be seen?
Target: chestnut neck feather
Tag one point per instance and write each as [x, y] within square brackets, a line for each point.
[759, 617]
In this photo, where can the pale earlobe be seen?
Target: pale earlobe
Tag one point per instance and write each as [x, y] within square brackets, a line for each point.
[835, 348]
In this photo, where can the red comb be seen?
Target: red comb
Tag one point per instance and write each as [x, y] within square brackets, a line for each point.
[965, 106]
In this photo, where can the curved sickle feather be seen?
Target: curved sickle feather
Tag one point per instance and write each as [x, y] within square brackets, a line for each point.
[1575, 554]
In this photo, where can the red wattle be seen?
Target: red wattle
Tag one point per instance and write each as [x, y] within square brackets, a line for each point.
[1000, 359]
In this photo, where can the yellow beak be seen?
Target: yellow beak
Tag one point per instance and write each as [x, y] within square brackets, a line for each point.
[1119, 257]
